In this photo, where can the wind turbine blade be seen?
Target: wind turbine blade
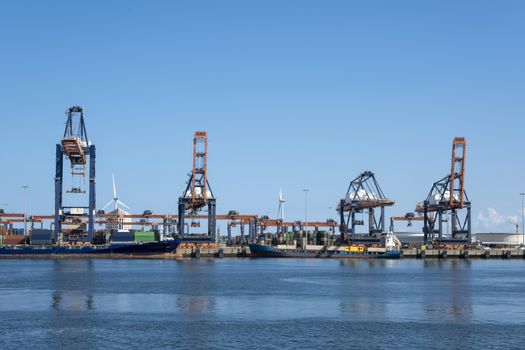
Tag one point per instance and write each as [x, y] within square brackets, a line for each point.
[107, 205]
[114, 187]
[124, 205]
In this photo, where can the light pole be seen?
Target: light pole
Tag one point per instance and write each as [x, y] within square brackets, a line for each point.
[522, 194]
[305, 217]
[25, 187]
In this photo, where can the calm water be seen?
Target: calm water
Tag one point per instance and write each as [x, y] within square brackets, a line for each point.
[261, 304]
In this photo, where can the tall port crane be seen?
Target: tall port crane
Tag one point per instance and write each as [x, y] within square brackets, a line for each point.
[75, 147]
[448, 196]
[198, 194]
[363, 195]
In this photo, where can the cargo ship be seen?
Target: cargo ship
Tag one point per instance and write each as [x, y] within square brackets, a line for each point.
[389, 249]
[40, 243]
[131, 248]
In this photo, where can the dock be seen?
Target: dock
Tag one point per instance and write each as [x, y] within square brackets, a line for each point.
[220, 252]
[408, 253]
[494, 253]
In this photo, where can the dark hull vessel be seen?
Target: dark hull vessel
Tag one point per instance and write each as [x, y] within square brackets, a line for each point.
[262, 251]
[150, 248]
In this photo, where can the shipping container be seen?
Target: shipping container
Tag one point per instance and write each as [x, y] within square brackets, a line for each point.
[145, 236]
[122, 236]
[41, 235]
[14, 239]
[42, 241]
[41, 232]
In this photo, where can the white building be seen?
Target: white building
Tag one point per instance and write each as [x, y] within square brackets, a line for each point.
[500, 238]
[120, 223]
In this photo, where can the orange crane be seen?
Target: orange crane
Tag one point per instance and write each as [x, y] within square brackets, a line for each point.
[198, 194]
[448, 196]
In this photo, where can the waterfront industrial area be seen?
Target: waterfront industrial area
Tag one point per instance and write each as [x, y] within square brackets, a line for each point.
[192, 231]
[262, 174]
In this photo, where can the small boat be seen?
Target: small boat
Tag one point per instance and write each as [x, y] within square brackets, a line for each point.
[388, 250]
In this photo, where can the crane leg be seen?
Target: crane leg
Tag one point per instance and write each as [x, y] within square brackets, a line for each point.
[92, 194]
[58, 191]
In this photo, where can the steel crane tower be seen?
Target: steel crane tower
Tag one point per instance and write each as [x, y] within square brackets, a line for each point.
[198, 193]
[76, 147]
[448, 196]
[363, 194]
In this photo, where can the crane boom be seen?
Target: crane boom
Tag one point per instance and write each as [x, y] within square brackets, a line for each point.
[457, 173]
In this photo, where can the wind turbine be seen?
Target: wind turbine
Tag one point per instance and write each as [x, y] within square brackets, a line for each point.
[280, 212]
[115, 199]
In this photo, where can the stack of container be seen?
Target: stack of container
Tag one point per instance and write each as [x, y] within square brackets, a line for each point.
[323, 237]
[122, 236]
[145, 236]
[14, 239]
[41, 237]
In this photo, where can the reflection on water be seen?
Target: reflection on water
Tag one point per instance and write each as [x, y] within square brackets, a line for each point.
[72, 282]
[359, 290]
[131, 303]
[367, 262]
[447, 295]
[196, 305]
[363, 309]
[245, 303]
[56, 300]
[72, 301]
[75, 286]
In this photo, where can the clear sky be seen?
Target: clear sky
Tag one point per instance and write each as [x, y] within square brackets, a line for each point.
[293, 94]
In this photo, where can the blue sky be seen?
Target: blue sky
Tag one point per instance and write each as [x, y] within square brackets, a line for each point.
[293, 94]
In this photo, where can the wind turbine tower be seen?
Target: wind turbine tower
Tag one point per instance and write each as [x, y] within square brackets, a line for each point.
[280, 212]
[121, 223]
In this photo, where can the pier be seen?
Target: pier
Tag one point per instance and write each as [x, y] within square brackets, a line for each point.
[492, 253]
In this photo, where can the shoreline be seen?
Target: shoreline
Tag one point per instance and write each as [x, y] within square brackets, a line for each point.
[244, 252]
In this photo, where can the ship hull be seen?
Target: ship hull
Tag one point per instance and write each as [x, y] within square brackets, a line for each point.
[149, 248]
[261, 251]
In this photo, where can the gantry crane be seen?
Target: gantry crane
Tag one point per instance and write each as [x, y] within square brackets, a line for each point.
[409, 218]
[76, 147]
[448, 196]
[363, 194]
[235, 219]
[198, 194]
